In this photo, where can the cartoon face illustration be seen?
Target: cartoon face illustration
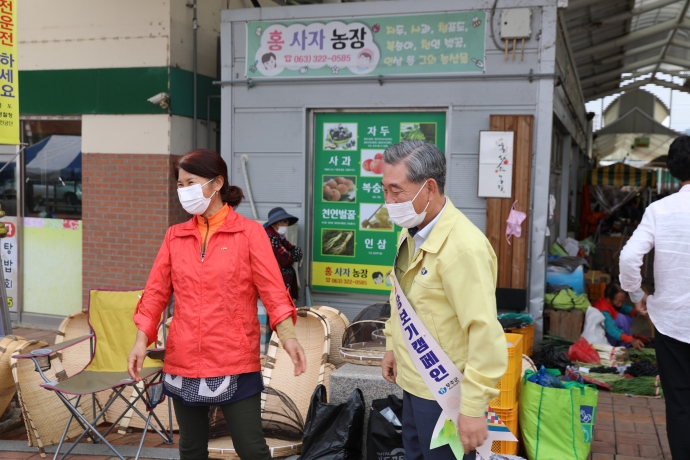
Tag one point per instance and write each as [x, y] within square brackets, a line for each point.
[269, 61]
[378, 277]
[364, 60]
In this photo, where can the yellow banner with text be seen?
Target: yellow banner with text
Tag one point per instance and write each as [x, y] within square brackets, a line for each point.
[348, 276]
[9, 74]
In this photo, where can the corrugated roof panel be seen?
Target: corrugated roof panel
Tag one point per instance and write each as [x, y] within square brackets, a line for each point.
[611, 37]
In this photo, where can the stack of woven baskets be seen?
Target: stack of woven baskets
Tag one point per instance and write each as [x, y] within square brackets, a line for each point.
[44, 415]
[319, 331]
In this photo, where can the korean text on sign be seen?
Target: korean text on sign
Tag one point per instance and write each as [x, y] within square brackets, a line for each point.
[9, 85]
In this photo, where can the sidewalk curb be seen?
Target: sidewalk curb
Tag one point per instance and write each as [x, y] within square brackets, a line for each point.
[96, 449]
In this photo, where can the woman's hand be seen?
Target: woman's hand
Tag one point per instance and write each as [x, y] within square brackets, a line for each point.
[294, 349]
[637, 343]
[135, 362]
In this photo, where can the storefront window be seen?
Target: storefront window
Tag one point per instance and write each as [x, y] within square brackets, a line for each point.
[52, 168]
[8, 184]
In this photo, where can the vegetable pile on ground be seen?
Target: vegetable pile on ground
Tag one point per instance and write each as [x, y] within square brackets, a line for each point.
[646, 354]
[604, 370]
[640, 386]
[557, 342]
[642, 369]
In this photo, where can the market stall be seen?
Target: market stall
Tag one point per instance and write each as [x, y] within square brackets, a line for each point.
[433, 71]
[615, 198]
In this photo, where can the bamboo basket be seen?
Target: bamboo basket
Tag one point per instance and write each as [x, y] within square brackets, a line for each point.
[45, 416]
[312, 331]
[75, 358]
[366, 343]
[330, 368]
[338, 323]
[7, 386]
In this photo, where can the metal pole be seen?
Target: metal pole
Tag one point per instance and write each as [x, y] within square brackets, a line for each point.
[381, 79]
[208, 120]
[195, 25]
[6, 321]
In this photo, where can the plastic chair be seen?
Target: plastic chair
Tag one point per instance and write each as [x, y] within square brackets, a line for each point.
[112, 330]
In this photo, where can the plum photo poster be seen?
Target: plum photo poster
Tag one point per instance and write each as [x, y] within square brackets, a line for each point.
[354, 239]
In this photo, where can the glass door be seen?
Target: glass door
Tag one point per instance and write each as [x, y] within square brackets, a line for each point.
[9, 246]
[51, 218]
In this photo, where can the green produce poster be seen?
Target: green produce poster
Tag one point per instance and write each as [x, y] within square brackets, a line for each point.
[393, 45]
[354, 239]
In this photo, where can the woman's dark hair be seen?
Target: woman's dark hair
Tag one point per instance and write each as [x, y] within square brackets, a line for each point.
[209, 165]
[377, 274]
[678, 161]
[612, 290]
[267, 57]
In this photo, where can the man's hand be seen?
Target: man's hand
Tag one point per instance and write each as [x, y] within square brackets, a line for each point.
[637, 343]
[641, 306]
[294, 349]
[473, 432]
[389, 367]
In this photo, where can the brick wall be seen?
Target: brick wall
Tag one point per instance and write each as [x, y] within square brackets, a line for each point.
[129, 201]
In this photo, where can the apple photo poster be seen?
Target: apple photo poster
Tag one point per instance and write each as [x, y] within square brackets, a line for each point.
[372, 162]
[496, 164]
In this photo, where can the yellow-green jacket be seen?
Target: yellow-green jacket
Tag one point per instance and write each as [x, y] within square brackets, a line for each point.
[451, 283]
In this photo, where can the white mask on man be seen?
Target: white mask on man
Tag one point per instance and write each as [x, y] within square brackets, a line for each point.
[193, 200]
[404, 215]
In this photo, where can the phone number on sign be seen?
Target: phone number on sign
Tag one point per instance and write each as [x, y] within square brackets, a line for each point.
[318, 58]
[345, 281]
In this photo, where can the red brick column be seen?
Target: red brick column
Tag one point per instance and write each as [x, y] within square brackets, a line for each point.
[129, 202]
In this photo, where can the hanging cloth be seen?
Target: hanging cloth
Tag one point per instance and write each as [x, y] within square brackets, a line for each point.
[514, 223]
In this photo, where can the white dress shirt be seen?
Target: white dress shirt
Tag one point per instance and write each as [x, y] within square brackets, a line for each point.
[421, 236]
[665, 227]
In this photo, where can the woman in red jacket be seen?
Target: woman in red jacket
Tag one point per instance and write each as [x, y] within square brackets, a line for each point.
[217, 264]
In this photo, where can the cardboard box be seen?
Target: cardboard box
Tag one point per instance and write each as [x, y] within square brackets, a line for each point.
[567, 324]
[597, 277]
[595, 291]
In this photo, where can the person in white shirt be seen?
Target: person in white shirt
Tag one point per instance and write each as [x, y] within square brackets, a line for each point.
[665, 227]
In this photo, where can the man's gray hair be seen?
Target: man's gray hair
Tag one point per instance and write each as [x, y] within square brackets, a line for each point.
[423, 160]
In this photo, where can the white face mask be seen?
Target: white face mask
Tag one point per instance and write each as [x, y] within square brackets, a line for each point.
[404, 215]
[193, 200]
[282, 231]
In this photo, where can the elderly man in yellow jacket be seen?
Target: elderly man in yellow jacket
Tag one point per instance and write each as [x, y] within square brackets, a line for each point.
[446, 269]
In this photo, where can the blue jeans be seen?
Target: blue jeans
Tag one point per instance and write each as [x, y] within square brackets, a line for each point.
[418, 422]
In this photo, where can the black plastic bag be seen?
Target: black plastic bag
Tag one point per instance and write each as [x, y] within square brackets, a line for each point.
[551, 358]
[333, 431]
[384, 439]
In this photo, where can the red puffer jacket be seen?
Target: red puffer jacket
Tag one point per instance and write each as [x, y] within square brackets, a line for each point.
[215, 329]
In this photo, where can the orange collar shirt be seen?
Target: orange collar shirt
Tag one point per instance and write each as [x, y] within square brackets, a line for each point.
[217, 268]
